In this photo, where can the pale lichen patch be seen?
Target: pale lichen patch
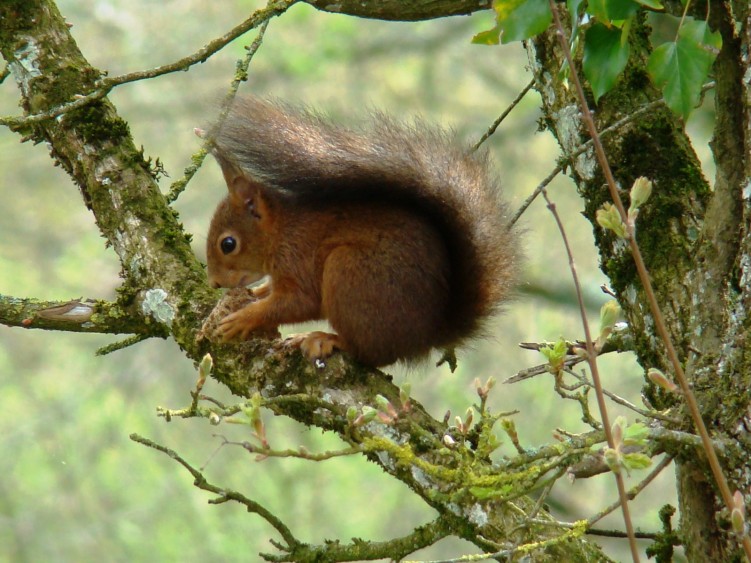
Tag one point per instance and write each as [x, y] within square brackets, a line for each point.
[477, 515]
[26, 64]
[156, 305]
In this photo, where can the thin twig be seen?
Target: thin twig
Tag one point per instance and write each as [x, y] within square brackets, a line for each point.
[105, 85]
[530, 372]
[621, 534]
[299, 454]
[533, 196]
[632, 492]
[544, 494]
[579, 150]
[659, 320]
[507, 554]
[241, 75]
[662, 436]
[592, 361]
[121, 344]
[621, 401]
[224, 494]
[503, 116]
[612, 344]
[596, 531]
[424, 536]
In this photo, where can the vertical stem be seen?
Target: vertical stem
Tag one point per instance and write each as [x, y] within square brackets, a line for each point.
[592, 361]
[659, 320]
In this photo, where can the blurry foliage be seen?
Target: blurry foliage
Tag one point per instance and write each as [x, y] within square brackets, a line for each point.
[74, 487]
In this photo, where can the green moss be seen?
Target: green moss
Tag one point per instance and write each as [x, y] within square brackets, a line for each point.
[466, 477]
[95, 124]
[172, 232]
[666, 230]
[16, 15]
[652, 149]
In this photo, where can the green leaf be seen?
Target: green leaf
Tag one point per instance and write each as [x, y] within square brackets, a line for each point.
[636, 461]
[573, 7]
[489, 37]
[636, 434]
[521, 19]
[612, 11]
[605, 57]
[654, 4]
[680, 67]
[555, 354]
[597, 9]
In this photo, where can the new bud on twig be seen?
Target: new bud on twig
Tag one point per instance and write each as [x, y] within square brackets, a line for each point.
[609, 218]
[640, 192]
[609, 314]
[404, 393]
[659, 379]
[738, 514]
[556, 355]
[368, 414]
[204, 370]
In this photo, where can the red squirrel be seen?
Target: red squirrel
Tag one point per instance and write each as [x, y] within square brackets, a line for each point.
[391, 232]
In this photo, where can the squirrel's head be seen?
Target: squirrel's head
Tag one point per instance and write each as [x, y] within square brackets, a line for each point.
[236, 252]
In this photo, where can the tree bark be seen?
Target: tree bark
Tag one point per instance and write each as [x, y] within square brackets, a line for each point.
[401, 10]
[696, 246]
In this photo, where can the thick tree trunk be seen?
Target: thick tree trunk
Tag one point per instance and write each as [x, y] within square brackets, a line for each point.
[696, 245]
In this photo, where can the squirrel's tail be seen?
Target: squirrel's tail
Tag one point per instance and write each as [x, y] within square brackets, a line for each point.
[307, 159]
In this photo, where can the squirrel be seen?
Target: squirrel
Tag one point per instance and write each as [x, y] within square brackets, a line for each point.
[391, 232]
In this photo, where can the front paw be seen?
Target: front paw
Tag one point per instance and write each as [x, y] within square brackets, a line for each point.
[234, 300]
[243, 324]
[237, 325]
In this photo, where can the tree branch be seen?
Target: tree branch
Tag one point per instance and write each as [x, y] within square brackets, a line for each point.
[76, 315]
[223, 494]
[687, 239]
[401, 10]
[104, 85]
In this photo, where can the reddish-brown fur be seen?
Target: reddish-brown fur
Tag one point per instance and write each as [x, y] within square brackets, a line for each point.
[392, 234]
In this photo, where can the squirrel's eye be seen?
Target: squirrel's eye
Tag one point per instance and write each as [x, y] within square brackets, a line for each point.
[228, 245]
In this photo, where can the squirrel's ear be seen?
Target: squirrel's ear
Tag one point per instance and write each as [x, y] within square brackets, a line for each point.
[232, 173]
[244, 193]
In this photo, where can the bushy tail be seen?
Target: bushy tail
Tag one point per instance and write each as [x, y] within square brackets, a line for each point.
[309, 160]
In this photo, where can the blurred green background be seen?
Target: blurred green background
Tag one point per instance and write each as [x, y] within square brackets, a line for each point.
[74, 487]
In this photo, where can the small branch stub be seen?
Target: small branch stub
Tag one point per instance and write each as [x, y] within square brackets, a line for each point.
[72, 311]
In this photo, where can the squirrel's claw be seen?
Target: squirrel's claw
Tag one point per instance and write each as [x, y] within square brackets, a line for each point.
[237, 325]
[315, 345]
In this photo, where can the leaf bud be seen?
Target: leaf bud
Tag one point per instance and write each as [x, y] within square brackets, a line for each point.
[609, 218]
[659, 379]
[640, 192]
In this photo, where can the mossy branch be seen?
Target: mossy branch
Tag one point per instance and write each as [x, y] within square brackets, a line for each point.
[77, 315]
[401, 10]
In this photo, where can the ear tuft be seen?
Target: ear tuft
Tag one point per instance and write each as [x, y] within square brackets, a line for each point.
[244, 192]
